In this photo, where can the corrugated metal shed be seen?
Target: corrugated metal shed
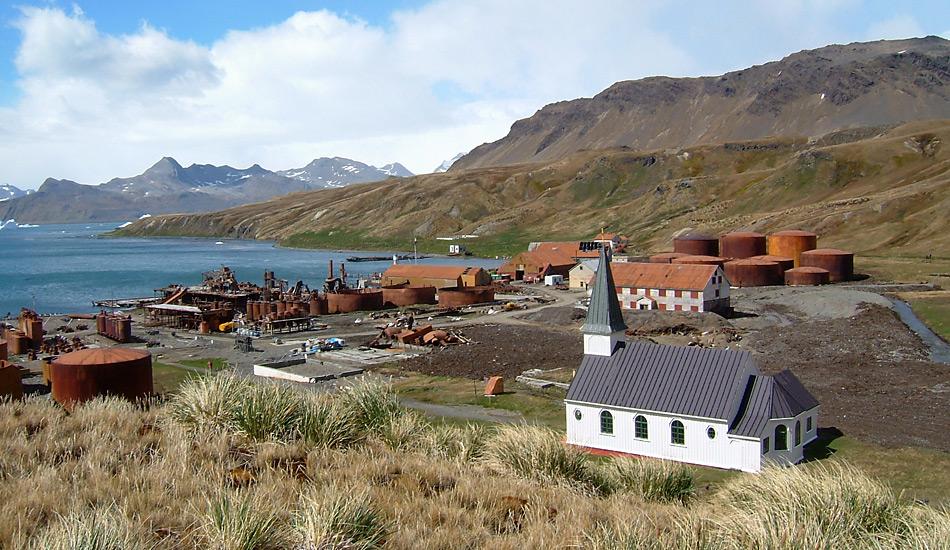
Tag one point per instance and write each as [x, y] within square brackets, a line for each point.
[690, 381]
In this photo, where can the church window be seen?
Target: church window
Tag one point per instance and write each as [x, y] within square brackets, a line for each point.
[640, 429]
[606, 422]
[677, 433]
[781, 437]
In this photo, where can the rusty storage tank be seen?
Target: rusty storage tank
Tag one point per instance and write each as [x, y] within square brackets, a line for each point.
[272, 308]
[318, 305]
[17, 343]
[806, 276]
[11, 382]
[281, 307]
[82, 375]
[699, 260]
[251, 311]
[839, 263]
[405, 295]
[783, 262]
[696, 244]
[354, 300]
[4, 352]
[101, 323]
[792, 243]
[749, 272]
[466, 296]
[742, 244]
[665, 257]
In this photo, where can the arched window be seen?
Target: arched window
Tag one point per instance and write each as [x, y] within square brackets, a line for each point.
[640, 430]
[781, 437]
[677, 433]
[798, 433]
[606, 422]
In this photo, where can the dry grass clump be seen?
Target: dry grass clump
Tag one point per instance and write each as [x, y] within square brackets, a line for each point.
[228, 464]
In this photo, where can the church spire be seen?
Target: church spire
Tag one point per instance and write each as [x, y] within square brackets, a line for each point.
[604, 326]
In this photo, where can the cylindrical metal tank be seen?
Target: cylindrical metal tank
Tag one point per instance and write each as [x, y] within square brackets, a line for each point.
[792, 243]
[281, 307]
[699, 260]
[466, 296]
[742, 244]
[11, 382]
[806, 276]
[748, 272]
[783, 262]
[398, 296]
[4, 352]
[696, 244]
[101, 322]
[354, 300]
[272, 308]
[665, 257]
[839, 263]
[17, 343]
[82, 375]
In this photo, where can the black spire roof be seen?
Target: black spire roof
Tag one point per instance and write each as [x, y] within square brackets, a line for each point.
[604, 316]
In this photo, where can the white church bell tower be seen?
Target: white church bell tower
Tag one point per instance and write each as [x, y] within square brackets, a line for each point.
[604, 329]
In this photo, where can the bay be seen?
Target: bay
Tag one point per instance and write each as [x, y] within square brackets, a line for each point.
[64, 268]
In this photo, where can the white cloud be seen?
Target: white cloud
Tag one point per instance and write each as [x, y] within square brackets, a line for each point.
[95, 105]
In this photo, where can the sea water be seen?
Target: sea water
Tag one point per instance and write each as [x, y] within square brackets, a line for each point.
[64, 268]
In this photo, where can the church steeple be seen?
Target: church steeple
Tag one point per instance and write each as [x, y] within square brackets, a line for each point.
[604, 327]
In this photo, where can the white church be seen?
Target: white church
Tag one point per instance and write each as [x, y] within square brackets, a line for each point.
[710, 407]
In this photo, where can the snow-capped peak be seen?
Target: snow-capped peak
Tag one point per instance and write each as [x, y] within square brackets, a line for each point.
[446, 164]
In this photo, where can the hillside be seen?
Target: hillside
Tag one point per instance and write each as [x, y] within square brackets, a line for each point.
[881, 190]
[809, 93]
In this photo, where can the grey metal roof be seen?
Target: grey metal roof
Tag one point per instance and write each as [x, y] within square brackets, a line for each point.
[770, 397]
[680, 380]
[604, 315]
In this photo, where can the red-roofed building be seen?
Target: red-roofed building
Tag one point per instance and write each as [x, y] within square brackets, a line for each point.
[439, 276]
[671, 287]
[533, 265]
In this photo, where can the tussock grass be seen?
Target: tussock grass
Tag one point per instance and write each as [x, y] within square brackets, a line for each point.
[654, 480]
[229, 464]
[533, 452]
[340, 519]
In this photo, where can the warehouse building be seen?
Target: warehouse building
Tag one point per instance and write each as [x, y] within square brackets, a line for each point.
[710, 407]
[582, 274]
[439, 276]
[671, 287]
[534, 265]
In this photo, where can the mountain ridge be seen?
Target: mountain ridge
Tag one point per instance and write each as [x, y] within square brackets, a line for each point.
[808, 93]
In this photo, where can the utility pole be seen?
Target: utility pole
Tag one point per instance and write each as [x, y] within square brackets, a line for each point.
[415, 251]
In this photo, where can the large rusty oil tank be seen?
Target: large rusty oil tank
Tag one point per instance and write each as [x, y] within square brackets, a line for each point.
[665, 257]
[405, 295]
[354, 300]
[699, 260]
[783, 262]
[791, 244]
[742, 244]
[806, 276]
[82, 375]
[696, 244]
[466, 296]
[839, 263]
[318, 305]
[11, 382]
[17, 342]
[749, 272]
[4, 352]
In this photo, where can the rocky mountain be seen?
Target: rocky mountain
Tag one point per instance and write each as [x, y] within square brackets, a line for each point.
[446, 164]
[167, 186]
[8, 192]
[878, 190]
[806, 94]
[339, 172]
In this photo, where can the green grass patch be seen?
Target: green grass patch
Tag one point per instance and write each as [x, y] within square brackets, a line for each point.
[167, 378]
[540, 406]
[935, 312]
[217, 363]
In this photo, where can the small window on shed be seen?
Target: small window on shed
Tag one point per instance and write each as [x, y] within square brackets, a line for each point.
[606, 422]
[808, 424]
[798, 433]
[640, 429]
[781, 437]
[765, 445]
[677, 433]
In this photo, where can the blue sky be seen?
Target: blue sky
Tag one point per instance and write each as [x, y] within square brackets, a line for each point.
[96, 89]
